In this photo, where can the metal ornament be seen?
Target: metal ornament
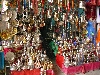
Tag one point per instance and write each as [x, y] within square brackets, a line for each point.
[93, 2]
[81, 4]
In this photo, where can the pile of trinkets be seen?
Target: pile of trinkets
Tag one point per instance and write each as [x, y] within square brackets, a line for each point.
[77, 52]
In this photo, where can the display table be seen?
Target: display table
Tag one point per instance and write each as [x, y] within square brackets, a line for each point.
[31, 72]
[76, 69]
[59, 60]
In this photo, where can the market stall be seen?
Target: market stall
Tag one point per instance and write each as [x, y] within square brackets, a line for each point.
[32, 31]
[80, 54]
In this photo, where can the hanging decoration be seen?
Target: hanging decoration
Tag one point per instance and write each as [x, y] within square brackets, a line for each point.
[1, 60]
[91, 5]
[35, 6]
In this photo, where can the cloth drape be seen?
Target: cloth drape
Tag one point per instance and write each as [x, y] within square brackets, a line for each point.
[1, 60]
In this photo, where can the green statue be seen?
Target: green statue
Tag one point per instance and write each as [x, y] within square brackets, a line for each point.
[53, 47]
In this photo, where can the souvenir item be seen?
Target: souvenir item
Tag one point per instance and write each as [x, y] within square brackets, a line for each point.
[81, 4]
[10, 57]
[14, 15]
[4, 5]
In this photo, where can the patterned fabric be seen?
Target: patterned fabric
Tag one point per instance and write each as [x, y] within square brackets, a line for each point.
[31, 72]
